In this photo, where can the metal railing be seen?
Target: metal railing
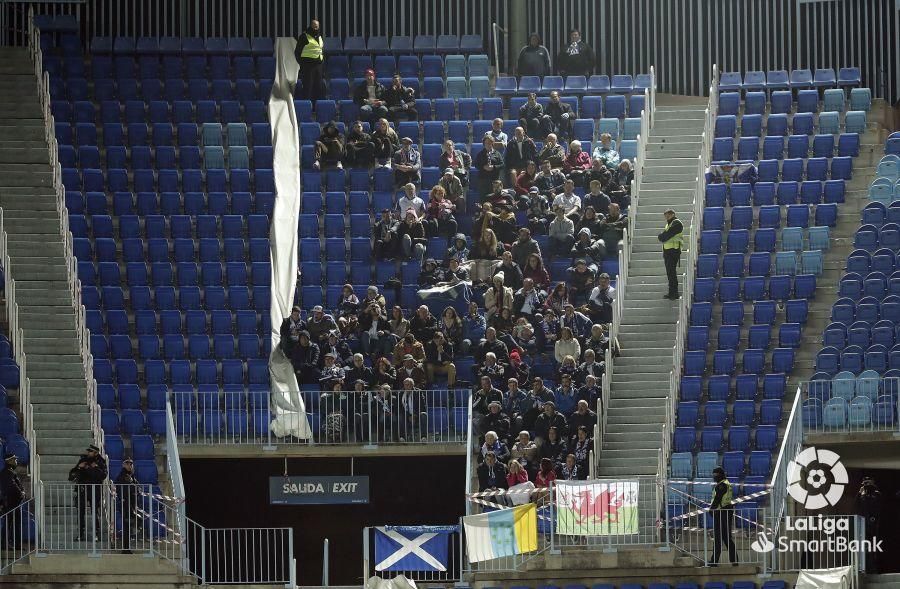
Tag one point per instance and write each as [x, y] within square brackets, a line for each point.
[624, 262]
[791, 443]
[689, 261]
[870, 405]
[17, 534]
[336, 418]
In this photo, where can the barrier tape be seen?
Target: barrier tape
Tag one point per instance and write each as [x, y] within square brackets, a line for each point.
[175, 533]
[713, 483]
[499, 492]
[741, 499]
[176, 500]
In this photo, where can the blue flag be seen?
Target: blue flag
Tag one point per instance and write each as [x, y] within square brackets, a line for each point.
[412, 548]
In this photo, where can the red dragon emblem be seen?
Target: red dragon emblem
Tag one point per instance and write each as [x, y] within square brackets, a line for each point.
[589, 508]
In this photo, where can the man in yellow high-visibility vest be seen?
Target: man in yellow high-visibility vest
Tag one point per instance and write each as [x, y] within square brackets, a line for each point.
[722, 509]
[671, 242]
[310, 54]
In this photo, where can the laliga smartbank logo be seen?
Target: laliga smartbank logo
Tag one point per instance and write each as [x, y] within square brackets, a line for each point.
[816, 479]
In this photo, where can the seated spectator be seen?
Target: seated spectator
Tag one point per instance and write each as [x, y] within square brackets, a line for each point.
[589, 391]
[590, 367]
[329, 148]
[568, 201]
[305, 359]
[533, 119]
[491, 368]
[534, 58]
[459, 249]
[410, 368]
[553, 448]
[357, 371]
[439, 359]
[452, 327]
[407, 163]
[336, 343]
[516, 474]
[528, 300]
[486, 246]
[493, 443]
[591, 250]
[415, 408]
[349, 302]
[581, 450]
[600, 302]
[330, 371]
[411, 200]
[411, 234]
[482, 397]
[386, 142]
[430, 275]
[387, 414]
[546, 474]
[369, 96]
[575, 320]
[398, 323]
[512, 273]
[599, 173]
[319, 325]
[385, 374]
[549, 181]
[566, 401]
[489, 163]
[498, 135]
[473, 328]
[523, 248]
[623, 176]
[290, 331]
[582, 419]
[491, 474]
[548, 419]
[606, 152]
[423, 324]
[457, 160]
[569, 471]
[375, 336]
[372, 297]
[591, 221]
[518, 368]
[492, 344]
[552, 152]
[400, 101]
[581, 281]
[577, 163]
[521, 405]
[408, 346]
[499, 198]
[524, 181]
[503, 323]
[562, 117]
[496, 421]
[453, 190]
[562, 231]
[439, 214]
[597, 341]
[525, 340]
[567, 345]
[538, 212]
[498, 296]
[567, 367]
[454, 274]
[597, 200]
[612, 228]
[359, 152]
[525, 450]
[558, 298]
[520, 150]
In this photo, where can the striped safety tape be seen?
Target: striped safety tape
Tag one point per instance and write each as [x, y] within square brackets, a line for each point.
[741, 499]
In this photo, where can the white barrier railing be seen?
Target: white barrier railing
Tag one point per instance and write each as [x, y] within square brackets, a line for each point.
[624, 261]
[17, 534]
[791, 443]
[689, 261]
[336, 418]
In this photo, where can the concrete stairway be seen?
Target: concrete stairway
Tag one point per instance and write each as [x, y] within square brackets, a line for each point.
[37, 263]
[110, 571]
[640, 384]
[889, 581]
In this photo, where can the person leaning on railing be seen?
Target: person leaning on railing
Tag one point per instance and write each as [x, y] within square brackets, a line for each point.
[90, 472]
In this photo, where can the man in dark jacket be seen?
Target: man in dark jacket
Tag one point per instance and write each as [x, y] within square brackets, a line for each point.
[527, 300]
[12, 495]
[88, 475]
[523, 247]
[310, 55]
[533, 119]
[520, 149]
[489, 163]
[534, 58]
[369, 96]
[576, 58]
[306, 359]
[491, 474]
[492, 344]
[423, 324]
[671, 242]
[512, 272]
[400, 101]
[550, 418]
[411, 235]
[387, 245]
[439, 359]
[561, 115]
[290, 331]
[127, 487]
[549, 181]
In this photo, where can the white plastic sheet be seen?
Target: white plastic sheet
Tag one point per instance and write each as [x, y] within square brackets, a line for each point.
[836, 578]
[287, 405]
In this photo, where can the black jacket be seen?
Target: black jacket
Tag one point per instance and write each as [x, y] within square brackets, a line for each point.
[582, 63]
[499, 477]
[12, 493]
[395, 97]
[95, 473]
[361, 92]
[544, 422]
[301, 43]
[674, 229]
[557, 110]
[287, 344]
[126, 490]
[353, 374]
[432, 356]
[511, 155]
[533, 61]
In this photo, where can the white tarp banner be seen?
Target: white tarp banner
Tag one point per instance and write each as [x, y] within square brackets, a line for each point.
[837, 578]
[288, 410]
[398, 582]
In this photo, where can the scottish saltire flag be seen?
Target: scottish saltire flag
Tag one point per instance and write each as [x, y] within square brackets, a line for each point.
[412, 548]
[585, 508]
[505, 532]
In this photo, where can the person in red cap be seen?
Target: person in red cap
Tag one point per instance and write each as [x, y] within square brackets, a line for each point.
[369, 95]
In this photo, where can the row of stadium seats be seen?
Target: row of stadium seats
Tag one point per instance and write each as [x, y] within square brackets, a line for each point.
[753, 361]
[721, 387]
[151, 67]
[855, 359]
[172, 347]
[786, 263]
[408, 66]
[119, 180]
[759, 337]
[184, 274]
[165, 298]
[783, 102]
[798, 149]
[175, 45]
[254, 372]
[737, 241]
[141, 157]
[768, 189]
[782, 80]
[129, 208]
[882, 280]
[595, 84]
[735, 463]
[732, 312]
[149, 90]
[187, 134]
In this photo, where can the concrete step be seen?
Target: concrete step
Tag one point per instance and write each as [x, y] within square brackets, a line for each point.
[25, 155]
[53, 369]
[25, 175]
[610, 468]
[45, 421]
[73, 443]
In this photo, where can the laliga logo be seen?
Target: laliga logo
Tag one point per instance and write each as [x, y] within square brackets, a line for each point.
[824, 482]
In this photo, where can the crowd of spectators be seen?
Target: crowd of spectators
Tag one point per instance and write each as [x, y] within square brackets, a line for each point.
[538, 182]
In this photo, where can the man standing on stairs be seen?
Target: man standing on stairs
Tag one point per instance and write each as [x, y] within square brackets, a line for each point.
[88, 475]
[127, 487]
[671, 241]
[722, 510]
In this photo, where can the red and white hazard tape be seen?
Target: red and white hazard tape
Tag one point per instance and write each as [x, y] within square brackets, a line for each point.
[741, 499]
[710, 483]
[152, 518]
[162, 497]
[499, 492]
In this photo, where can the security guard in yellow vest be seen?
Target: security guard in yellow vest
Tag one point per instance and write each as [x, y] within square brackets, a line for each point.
[722, 509]
[310, 55]
[671, 241]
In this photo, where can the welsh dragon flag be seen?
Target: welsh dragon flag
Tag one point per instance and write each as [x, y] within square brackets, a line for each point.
[596, 509]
